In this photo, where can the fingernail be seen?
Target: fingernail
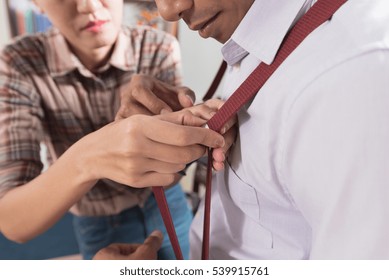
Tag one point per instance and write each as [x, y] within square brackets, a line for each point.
[190, 98]
[220, 142]
[220, 167]
[157, 233]
[223, 130]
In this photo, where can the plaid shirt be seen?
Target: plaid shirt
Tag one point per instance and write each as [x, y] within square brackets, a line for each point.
[48, 96]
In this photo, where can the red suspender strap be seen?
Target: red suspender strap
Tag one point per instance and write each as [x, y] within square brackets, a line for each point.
[167, 220]
[216, 81]
[320, 12]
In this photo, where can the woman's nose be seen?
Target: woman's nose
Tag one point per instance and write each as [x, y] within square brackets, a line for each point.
[88, 6]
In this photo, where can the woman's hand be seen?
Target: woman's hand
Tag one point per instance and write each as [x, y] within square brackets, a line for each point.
[119, 251]
[143, 151]
[147, 95]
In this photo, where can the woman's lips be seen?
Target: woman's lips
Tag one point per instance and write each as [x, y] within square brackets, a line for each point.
[94, 26]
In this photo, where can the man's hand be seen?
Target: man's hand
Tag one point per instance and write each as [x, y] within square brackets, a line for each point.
[149, 96]
[229, 130]
[219, 155]
[146, 251]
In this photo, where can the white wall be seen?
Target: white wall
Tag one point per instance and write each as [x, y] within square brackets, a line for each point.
[201, 60]
[4, 24]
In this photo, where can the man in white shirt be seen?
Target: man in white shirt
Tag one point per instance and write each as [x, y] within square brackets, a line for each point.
[308, 177]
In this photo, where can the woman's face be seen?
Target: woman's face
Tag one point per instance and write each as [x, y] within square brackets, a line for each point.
[86, 24]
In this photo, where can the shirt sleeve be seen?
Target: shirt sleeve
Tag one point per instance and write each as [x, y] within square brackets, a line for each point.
[165, 56]
[170, 66]
[20, 123]
[336, 159]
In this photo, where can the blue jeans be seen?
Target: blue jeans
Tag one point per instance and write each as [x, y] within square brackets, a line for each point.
[134, 225]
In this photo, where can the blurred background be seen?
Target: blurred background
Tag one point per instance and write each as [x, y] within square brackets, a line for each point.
[201, 60]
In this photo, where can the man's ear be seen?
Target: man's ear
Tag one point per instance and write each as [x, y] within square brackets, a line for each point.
[39, 7]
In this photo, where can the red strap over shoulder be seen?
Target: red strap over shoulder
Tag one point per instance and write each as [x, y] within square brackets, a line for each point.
[163, 206]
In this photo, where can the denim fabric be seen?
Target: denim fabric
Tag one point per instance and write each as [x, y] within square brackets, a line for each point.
[134, 225]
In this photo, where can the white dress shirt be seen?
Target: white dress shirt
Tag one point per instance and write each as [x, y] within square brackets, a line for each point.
[308, 177]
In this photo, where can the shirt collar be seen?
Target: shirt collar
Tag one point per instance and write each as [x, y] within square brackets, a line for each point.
[262, 30]
[123, 56]
[58, 55]
[62, 61]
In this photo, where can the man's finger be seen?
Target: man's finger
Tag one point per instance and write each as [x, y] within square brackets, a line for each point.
[116, 251]
[149, 249]
[186, 97]
[152, 101]
[123, 248]
[181, 135]
[230, 138]
[125, 111]
[183, 118]
[220, 154]
[214, 103]
[154, 241]
[228, 125]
